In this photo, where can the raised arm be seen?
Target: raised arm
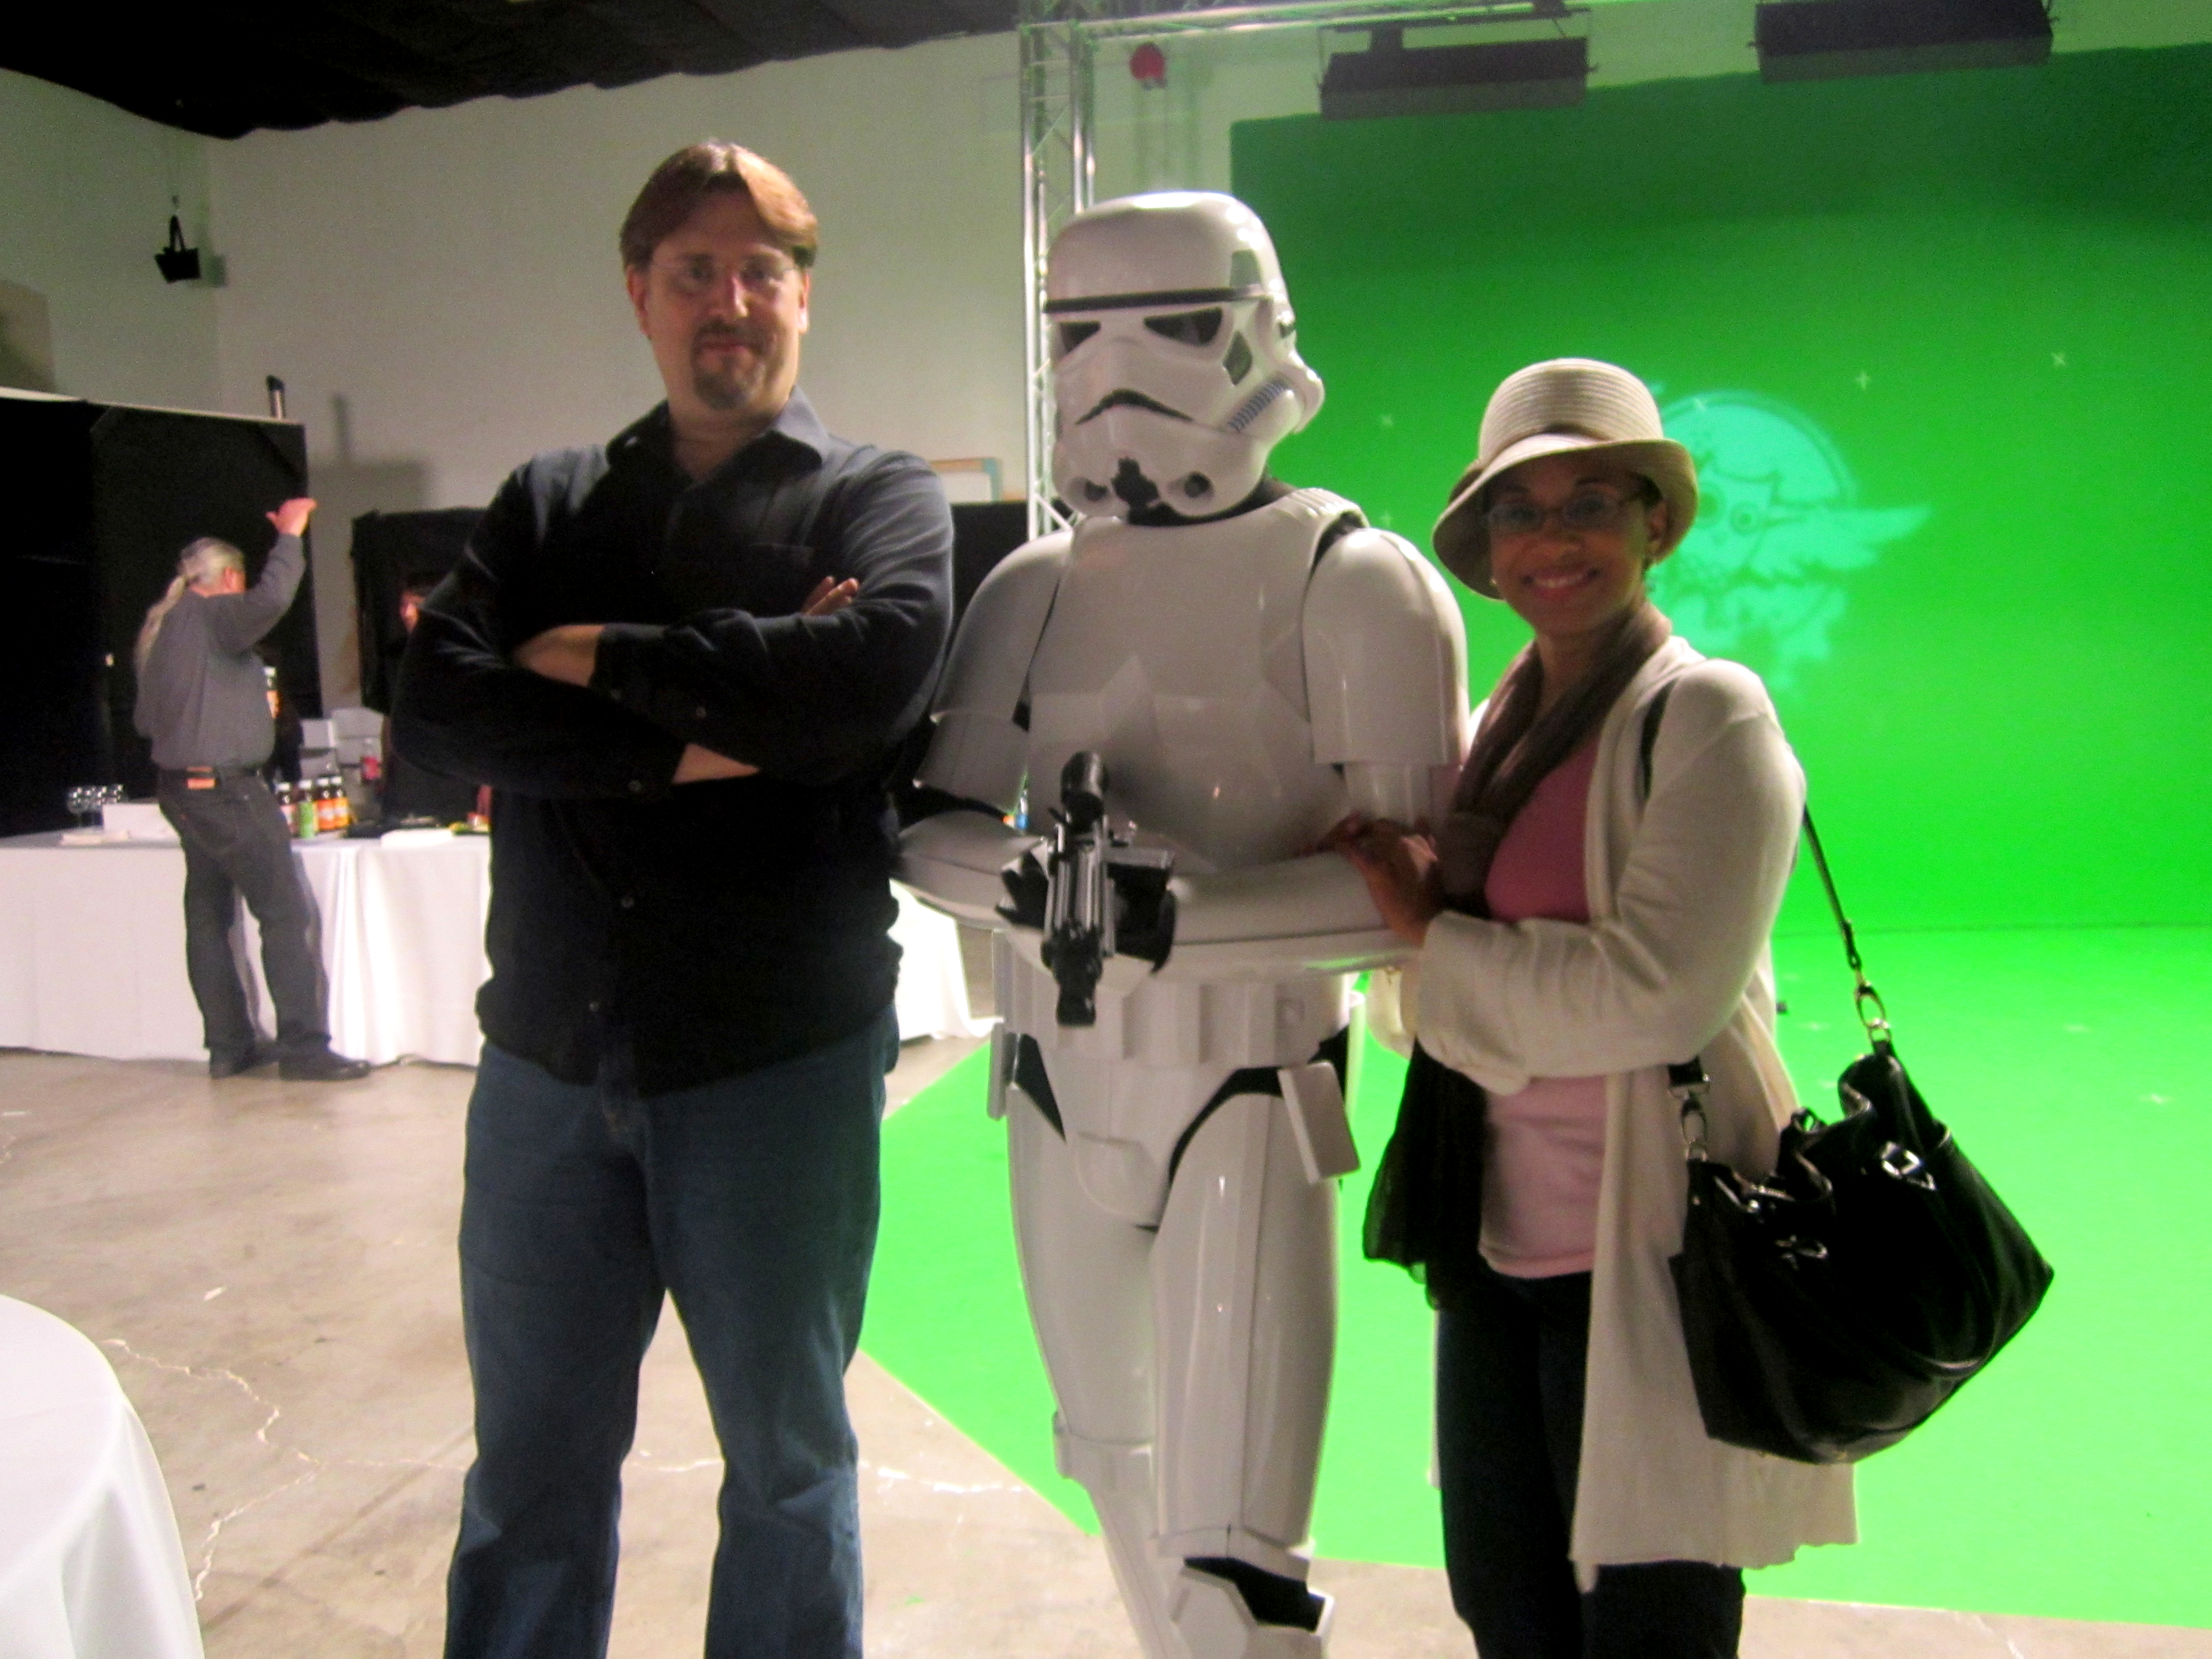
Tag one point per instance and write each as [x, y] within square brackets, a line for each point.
[237, 621]
[809, 697]
[462, 708]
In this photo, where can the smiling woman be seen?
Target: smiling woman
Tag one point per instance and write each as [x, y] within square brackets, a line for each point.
[1571, 540]
[1594, 906]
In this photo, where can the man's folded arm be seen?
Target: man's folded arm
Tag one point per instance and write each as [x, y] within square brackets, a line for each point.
[462, 707]
[809, 699]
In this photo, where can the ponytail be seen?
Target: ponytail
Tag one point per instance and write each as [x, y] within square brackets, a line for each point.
[200, 562]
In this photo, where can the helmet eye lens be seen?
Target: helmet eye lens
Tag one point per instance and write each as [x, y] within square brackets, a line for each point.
[1191, 328]
[1071, 335]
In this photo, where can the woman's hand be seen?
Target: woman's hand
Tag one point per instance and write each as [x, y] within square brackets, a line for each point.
[1400, 866]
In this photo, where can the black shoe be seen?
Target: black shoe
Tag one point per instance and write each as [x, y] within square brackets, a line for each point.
[320, 1066]
[233, 1064]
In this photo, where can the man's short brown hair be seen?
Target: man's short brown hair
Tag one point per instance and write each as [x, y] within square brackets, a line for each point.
[698, 171]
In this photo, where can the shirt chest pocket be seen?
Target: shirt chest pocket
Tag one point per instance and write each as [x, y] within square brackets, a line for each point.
[767, 579]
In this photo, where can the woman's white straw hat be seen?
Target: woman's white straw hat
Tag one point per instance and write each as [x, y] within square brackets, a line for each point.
[1547, 408]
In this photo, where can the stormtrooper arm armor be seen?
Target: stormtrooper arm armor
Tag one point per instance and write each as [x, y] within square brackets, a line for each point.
[952, 863]
[1386, 677]
[980, 750]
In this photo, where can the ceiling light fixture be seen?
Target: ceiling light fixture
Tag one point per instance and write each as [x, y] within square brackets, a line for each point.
[1392, 78]
[1827, 39]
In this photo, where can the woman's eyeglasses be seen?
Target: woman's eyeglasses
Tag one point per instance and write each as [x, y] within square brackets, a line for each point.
[1589, 508]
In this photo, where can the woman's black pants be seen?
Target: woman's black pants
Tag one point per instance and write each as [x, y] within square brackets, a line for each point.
[1510, 1363]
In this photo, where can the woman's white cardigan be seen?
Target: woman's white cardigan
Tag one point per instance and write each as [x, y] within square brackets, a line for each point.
[1683, 891]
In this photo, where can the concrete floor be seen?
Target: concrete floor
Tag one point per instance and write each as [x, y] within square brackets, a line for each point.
[271, 1268]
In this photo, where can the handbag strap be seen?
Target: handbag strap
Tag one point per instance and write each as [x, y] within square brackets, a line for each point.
[1866, 1001]
[1686, 1079]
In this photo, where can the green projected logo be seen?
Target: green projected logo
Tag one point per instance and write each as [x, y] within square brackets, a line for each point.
[1762, 575]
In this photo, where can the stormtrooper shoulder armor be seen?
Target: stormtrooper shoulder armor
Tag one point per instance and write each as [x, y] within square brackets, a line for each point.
[980, 752]
[1385, 656]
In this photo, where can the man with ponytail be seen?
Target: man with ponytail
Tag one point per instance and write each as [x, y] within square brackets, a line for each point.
[202, 700]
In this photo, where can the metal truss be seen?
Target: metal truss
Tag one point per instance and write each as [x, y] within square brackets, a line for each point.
[1059, 42]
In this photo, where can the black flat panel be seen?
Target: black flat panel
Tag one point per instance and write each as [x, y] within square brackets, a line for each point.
[53, 732]
[162, 478]
[983, 532]
[392, 552]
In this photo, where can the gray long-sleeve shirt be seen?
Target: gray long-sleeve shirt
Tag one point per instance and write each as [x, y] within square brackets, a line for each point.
[201, 697]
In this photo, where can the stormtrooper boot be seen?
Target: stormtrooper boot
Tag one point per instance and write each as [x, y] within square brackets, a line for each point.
[1213, 1621]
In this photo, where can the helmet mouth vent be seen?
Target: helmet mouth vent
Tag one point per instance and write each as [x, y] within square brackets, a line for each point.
[1126, 399]
[1256, 405]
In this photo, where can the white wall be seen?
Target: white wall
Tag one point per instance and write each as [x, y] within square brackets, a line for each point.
[451, 275]
[440, 292]
[84, 202]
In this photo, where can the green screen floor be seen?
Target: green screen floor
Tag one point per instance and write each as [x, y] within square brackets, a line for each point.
[2073, 1480]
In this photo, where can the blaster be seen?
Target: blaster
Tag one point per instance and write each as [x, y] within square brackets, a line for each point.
[1094, 895]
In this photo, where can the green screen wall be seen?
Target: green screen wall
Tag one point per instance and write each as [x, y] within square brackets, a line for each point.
[1942, 346]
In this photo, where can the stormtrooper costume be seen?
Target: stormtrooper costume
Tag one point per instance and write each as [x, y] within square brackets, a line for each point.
[1251, 663]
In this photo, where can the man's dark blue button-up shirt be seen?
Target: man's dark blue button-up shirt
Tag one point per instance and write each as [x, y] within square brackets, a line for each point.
[718, 926]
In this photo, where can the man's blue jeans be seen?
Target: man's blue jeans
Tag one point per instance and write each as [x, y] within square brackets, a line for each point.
[752, 1201]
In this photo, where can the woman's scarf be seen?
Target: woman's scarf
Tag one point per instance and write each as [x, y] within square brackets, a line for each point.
[1425, 1211]
[1517, 748]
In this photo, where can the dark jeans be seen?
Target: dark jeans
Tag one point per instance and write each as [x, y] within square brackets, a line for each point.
[1510, 1369]
[237, 843]
[752, 1201]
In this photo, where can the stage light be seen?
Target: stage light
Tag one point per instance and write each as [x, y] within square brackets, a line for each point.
[1392, 78]
[1826, 40]
[179, 264]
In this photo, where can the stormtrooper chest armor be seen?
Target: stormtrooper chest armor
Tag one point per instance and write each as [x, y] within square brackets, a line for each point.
[1176, 654]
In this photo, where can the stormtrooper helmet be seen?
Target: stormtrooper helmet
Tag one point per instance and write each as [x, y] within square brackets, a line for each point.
[1175, 354]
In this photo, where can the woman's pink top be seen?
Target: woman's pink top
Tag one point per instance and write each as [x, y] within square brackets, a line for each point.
[1545, 1147]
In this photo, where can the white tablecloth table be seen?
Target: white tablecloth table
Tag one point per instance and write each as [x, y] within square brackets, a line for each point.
[90, 1564]
[91, 949]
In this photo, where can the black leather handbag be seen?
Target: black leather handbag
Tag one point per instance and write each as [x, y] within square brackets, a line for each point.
[1830, 1308]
